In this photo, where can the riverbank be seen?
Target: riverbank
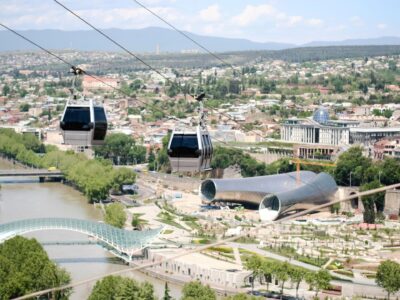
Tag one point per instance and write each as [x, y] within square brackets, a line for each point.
[94, 178]
[27, 199]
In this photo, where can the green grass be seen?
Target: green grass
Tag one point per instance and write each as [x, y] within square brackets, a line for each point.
[227, 255]
[288, 251]
[171, 223]
[344, 272]
[221, 249]
[167, 231]
[192, 224]
[246, 240]
[202, 241]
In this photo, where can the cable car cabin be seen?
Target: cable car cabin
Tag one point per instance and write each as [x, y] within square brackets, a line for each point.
[83, 124]
[190, 151]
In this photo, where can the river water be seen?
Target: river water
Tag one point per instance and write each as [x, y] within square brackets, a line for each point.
[27, 198]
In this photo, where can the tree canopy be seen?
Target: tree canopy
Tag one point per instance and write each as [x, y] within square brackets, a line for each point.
[372, 202]
[388, 276]
[115, 215]
[25, 268]
[121, 149]
[118, 287]
[93, 177]
[352, 163]
[196, 291]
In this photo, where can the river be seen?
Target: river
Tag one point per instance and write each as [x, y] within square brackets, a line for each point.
[27, 198]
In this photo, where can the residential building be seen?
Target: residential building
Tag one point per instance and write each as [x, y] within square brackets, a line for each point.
[369, 136]
[387, 147]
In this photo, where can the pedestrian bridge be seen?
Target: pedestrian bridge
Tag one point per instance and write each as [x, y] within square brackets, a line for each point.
[126, 243]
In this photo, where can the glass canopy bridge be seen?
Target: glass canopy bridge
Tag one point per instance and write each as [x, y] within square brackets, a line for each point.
[124, 243]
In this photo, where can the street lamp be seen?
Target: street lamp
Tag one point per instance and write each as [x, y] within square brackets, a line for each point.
[350, 177]
[379, 175]
[277, 171]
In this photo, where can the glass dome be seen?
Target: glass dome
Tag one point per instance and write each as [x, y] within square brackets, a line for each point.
[321, 116]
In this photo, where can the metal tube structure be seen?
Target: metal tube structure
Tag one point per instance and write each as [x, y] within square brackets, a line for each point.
[274, 195]
[321, 189]
[251, 190]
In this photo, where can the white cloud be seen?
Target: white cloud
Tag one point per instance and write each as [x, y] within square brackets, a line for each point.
[293, 20]
[356, 21]
[30, 16]
[210, 14]
[381, 26]
[268, 13]
[337, 28]
[252, 13]
[314, 22]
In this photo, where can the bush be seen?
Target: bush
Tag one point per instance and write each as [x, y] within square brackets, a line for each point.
[118, 287]
[115, 215]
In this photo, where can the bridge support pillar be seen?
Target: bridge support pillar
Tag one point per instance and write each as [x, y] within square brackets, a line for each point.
[41, 179]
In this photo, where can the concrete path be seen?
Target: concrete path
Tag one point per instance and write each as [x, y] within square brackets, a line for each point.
[236, 252]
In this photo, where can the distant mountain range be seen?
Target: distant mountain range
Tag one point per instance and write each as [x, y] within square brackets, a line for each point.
[152, 38]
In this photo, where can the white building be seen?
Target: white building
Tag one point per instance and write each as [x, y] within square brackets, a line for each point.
[318, 130]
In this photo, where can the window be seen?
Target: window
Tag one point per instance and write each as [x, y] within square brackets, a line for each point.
[184, 145]
[76, 118]
[100, 127]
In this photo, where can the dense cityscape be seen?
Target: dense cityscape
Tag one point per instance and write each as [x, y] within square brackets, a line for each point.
[239, 175]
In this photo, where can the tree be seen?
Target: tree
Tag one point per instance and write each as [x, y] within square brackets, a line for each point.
[281, 272]
[388, 276]
[392, 65]
[319, 280]
[115, 215]
[121, 149]
[118, 287]
[166, 292]
[196, 291]
[24, 107]
[351, 162]
[373, 201]
[297, 275]
[138, 222]
[6, 90]
[123, 176]
[233, 86]
[136, 85]
[267, 269]
[25, 267]
[389, 169]
[151, 159]
[253, 263]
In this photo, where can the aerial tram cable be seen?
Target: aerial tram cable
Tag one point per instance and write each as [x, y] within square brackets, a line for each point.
[145, 63]
[82, 71]
[224, 62]
[111, 39]
[103, 82]
[189, 251]
[113, 87]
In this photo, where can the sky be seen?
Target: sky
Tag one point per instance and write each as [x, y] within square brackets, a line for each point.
[288, 21]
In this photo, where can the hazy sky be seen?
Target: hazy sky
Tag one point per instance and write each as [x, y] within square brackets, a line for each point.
[292, 21]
